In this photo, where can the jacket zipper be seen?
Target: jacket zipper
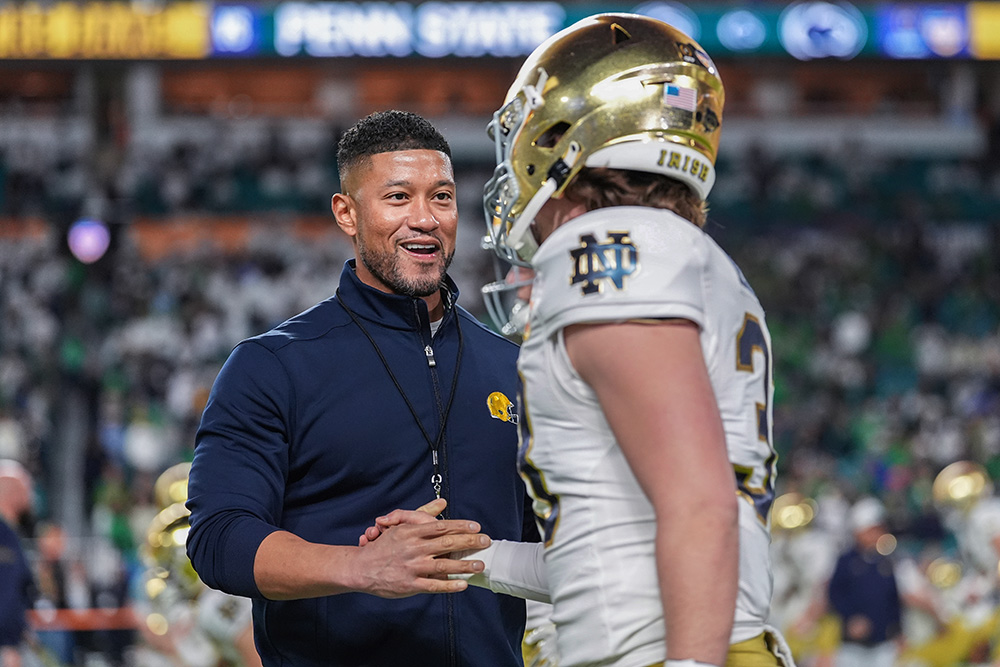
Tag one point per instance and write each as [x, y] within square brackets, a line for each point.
[441, 465]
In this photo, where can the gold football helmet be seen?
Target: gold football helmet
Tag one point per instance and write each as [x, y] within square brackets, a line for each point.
[165, 549]
[171, 485]
[961, 485]
[944, 572]
[621, 91]
[792, 511]
[166, 538]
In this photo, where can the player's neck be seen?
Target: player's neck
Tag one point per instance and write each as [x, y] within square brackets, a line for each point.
[554, 214]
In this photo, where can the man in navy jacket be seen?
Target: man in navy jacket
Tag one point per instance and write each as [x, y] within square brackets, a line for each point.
[17, 585]
[386, 395]
[864, 595]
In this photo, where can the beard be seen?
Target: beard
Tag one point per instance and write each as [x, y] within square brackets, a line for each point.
[386, 266]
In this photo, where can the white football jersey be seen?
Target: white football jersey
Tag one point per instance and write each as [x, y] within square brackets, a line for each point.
[613, 265]
[803, 561]
[975, 535]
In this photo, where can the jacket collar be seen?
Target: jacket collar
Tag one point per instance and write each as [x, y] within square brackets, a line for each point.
[391, 310]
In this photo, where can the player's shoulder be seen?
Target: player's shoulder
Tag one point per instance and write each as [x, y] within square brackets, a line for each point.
[619, 263]
[623, 244]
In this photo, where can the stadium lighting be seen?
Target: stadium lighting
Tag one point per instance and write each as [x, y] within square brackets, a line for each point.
[88, 240]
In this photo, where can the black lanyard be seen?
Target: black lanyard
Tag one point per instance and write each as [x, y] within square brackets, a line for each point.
[435, 444]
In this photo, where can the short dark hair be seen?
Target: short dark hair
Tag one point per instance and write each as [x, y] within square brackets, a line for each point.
[384, 132]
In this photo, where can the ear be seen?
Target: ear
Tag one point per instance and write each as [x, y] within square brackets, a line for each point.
[345, 213]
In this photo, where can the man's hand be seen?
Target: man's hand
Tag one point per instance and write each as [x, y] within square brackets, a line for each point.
[859, 628]
[423, 514]
[406, 552]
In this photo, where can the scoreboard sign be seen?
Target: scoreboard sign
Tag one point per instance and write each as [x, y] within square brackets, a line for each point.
[284, 29]
[431, 29]
[104, 30]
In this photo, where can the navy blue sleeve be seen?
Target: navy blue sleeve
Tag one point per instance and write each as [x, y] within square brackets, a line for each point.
[237, 482]
[16, 587]
[839, 594]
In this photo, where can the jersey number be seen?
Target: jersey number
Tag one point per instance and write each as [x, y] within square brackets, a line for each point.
[751, 339]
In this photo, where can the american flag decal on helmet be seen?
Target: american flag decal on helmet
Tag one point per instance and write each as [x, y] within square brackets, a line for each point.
[680, 97]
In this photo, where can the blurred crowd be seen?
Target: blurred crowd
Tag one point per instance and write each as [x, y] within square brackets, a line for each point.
[880, 279]
[258, 166]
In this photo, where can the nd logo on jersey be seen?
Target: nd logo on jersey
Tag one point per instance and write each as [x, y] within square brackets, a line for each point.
[594, 263]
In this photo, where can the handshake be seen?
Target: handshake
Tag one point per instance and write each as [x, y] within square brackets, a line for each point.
[446, 556]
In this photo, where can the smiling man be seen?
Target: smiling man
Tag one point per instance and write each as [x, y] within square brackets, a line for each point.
[399, 208]
[377, 398]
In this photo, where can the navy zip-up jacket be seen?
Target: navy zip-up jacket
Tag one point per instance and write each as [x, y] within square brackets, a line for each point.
[863, 584]
[305, 431]
[16, 588]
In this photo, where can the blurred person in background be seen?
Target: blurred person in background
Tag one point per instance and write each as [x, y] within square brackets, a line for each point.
[804, 554]
[386, 395]
[935, 616]
[16, 581]
[52, 568]
[964, 495]
[864, 595]
[183, 622]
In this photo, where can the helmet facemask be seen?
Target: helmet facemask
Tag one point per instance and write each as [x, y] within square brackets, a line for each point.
[506, 309]
[509, 217]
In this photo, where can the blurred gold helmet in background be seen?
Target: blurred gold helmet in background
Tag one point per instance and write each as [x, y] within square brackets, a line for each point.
[165, 551]
[621, 91]
[792, 511]
[171, 485]
[961, 485]
[944, 573]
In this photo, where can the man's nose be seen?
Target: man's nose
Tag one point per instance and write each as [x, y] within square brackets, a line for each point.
[424, 216]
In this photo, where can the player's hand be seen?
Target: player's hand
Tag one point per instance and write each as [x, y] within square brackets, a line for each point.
[539, 646]
[423, 514]
[411, 558]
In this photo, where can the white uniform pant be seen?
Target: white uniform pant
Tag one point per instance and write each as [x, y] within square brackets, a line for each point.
[858, 655]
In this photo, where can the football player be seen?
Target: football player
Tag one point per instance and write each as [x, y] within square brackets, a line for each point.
[963, 494]
[934, 617]
[184, 623]
[646, 367]
[804, 555]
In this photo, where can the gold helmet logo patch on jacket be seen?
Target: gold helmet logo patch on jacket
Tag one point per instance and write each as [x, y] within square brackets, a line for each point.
[501, 407]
